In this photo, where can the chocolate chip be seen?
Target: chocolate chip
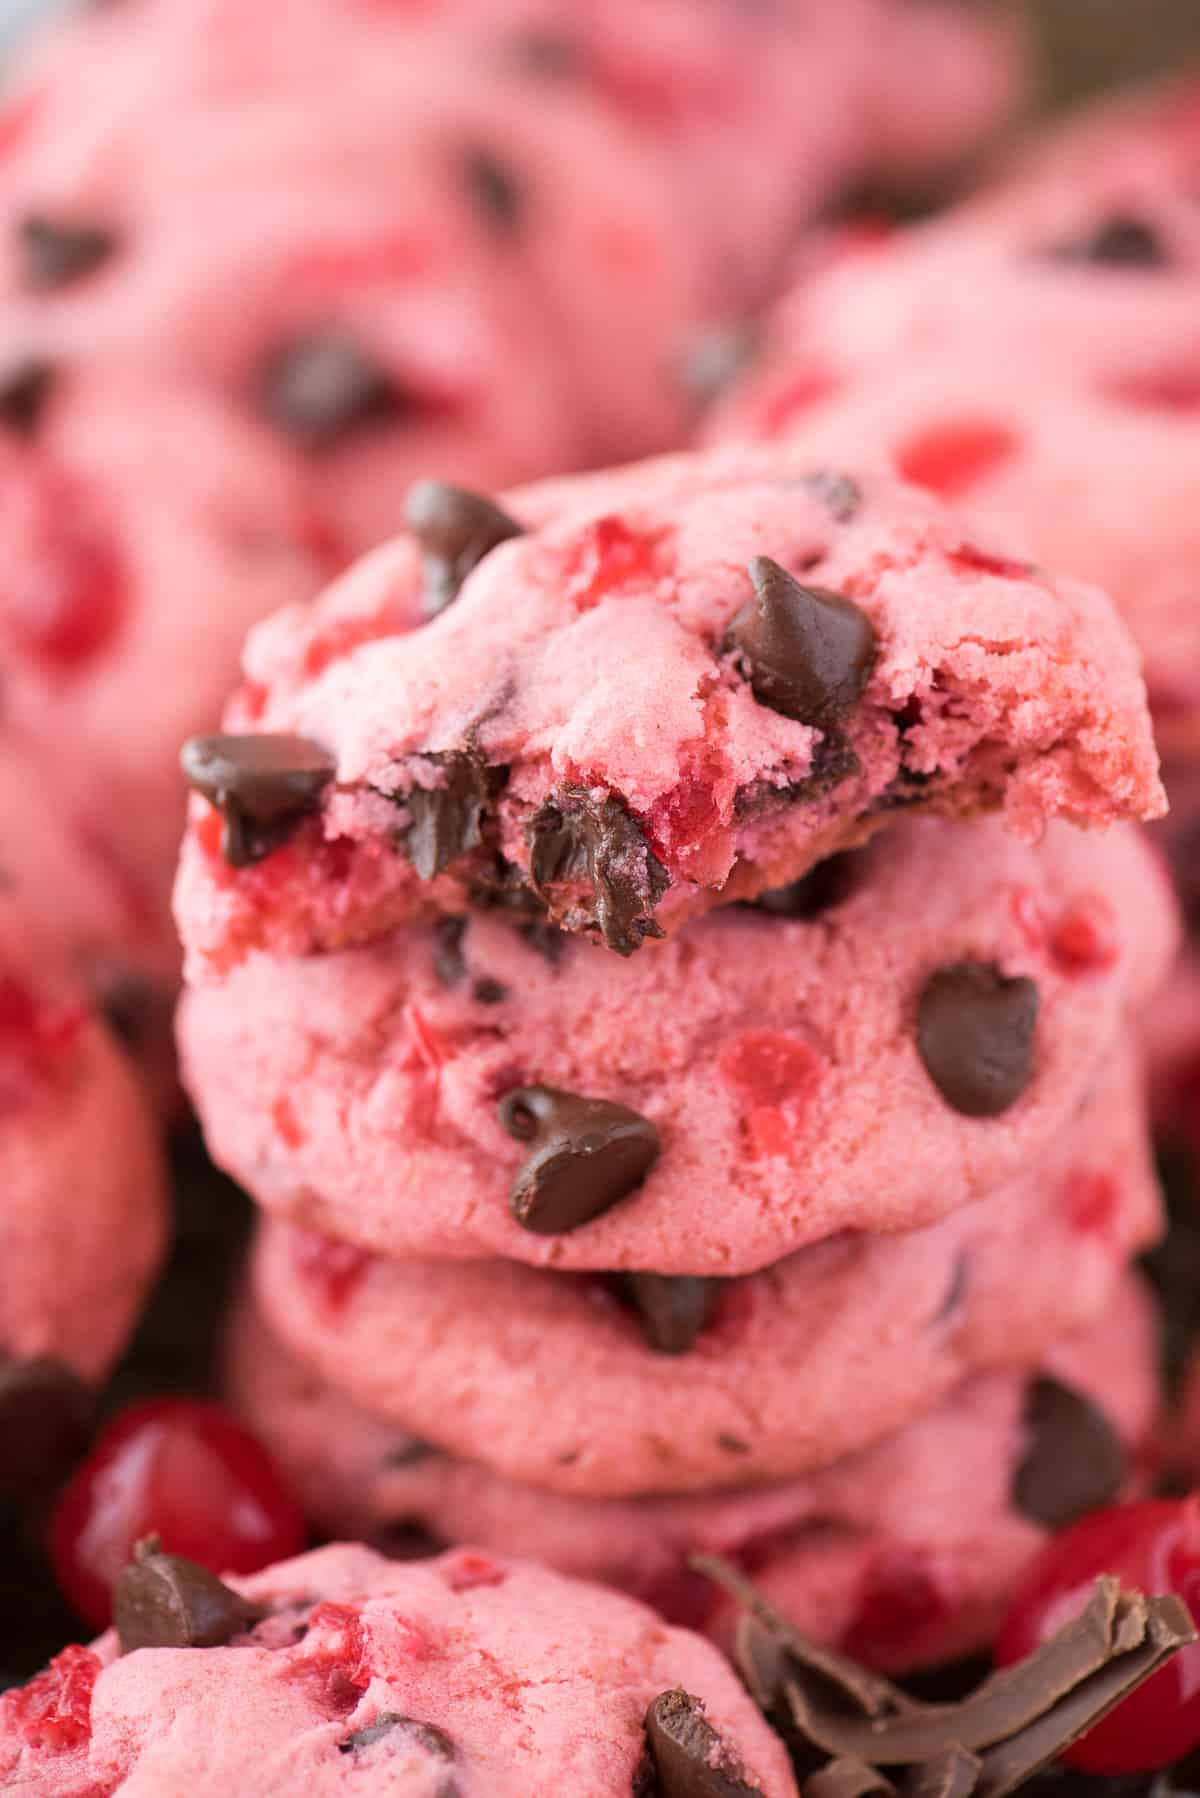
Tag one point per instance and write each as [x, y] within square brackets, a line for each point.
[163, 1601]
[808, 652]
[673, 1308]
[587, 1155]
[826, 886]
[837, 491]
[136, 1010]
[449, 962]
[497, 192]
[489, 992]
[598, 844]
[456, 529]
[975, 1030]
[833, 761]
[322, 387]
[45, 1421]
[690, 1759]
[448, 821]
[24, 390]
[262, 785]
[715, 361]
[1122, 241]
[1075, 1461]
[56, 254]
[427, 1736]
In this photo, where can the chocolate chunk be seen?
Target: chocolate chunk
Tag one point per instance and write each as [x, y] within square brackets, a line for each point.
[599, 844]
[163, 1601]
[499, 194]
[45, 1422]
[322, 387]
[714, 362]
[673, 1308]
[1121, 241]
[837, 491]
[263, 786]
[826, 886]
[449, 962]
[456, 530]
[435, 1742]
[1075, 1461]
[690, 1759]
[24, 390]
[761, 1660]
[56, 254]
[808, 652]
[975, 1030]
[448, 820]
[587, 1155]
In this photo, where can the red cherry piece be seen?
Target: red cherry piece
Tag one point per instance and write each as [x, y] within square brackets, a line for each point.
[1155, 1548]
[774, 1077]
[337, 1651]
[779, 408]
[464, 1571]
[974, 560]
[1161, 390]
[604, 556]
[54, 1711]
[900, 1602]
[336, 1267]
[1082, 941]
[1091, 1201]
[949, 459]
[63, 592]
[180, 1469]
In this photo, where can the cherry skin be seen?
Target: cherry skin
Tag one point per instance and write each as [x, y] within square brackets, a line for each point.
[1153, 1547]
[182, 1469]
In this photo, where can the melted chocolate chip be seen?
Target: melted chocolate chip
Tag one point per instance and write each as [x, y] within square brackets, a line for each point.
[456, 530]
[837, 491]
[322, 387]
[406, 1730]
[448, 820]
[690, 1759]
[163, 1601]
[975, 1031]
[1121, 241]
[673, 1308]
[808, 652]
[826, 886]
[56, 254]
[588, 1154]
[1075, 1461]
[263, 786]
[24, 390]
[575, 839]
[45, 1421]
[499, 194]
[715, 361]
[449, 962]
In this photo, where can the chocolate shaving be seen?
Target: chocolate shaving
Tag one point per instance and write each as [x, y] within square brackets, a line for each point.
[588, 1154]
[673, 1308]
[448, 821]
[56, 254]
[690, 1758]
[848, 1779]
[456, 529]
[575, 839]
[262, 785]
[164, 1601]
[1075, 1461]
[951, 1774]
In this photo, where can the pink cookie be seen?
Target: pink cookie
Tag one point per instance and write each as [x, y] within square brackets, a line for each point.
[467, 1675]
[778, 1060]
[813, 651]
[828, 1549]
[82, 1219]
[871, 1330]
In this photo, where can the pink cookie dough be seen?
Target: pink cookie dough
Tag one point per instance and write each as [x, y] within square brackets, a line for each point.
[469, 1674]
[828, 1549]
[82, 1183]
[552, 1379]
[777, 1057]
[514, 741]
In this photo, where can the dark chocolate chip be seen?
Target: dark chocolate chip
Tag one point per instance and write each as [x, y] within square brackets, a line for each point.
[833, 761]
[1121, 241]
[499, 194]
[262, 785]
[448, 820]
[489, 992]
[673, 1308]
[587, 1155]
[826, 886]
[24, 390]
[435, 1742]
[808, 652]
[975, 1034]
[456, 529]
[449, 962]
[598, 844]
[320, 388]
[45, 1421]
[56, 254]
[714, 362]
[837, 491]
[1075, 1461]
[690, 1759]
[163, 1601]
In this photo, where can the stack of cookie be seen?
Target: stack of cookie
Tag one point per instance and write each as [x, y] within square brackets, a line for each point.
[644, 966]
